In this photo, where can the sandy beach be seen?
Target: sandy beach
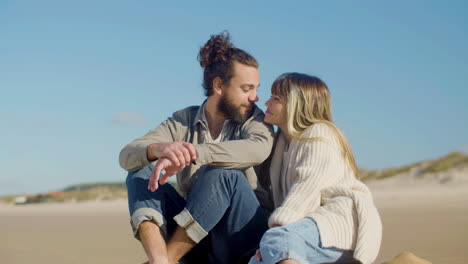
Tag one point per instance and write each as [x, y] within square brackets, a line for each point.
[431, 222]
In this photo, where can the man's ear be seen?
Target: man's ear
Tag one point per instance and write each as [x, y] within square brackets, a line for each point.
[218, 86]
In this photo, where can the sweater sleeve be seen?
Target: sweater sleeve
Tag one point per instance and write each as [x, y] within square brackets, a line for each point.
[317, 165]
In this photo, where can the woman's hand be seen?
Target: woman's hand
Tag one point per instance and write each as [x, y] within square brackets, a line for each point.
[258, 255]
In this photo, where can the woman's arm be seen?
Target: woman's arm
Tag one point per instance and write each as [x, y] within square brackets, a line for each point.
[316, 164]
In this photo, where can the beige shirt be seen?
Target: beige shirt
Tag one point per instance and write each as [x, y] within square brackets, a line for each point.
[208, 137]
[241, 146]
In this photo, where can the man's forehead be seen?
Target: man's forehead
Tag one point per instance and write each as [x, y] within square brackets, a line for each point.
[240, 67]
[246, 74]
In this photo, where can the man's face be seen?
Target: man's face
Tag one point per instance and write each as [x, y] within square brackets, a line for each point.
[240, 93]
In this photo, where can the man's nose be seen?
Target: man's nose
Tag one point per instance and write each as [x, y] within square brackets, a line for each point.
[253, 96]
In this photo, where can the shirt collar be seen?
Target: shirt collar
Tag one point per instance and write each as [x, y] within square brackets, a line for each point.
[199, 116]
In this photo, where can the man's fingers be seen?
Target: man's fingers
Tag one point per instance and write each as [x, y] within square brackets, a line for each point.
[173, 158]
[165, 178]
[186, 156]
[180, 153]
[155, 177]
[192, 151]
[180, 157]
[151, 180]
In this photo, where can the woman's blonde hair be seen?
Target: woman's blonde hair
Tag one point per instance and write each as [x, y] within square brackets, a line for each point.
[308, 103]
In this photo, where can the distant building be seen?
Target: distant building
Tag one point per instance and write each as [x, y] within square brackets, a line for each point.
[20, 199]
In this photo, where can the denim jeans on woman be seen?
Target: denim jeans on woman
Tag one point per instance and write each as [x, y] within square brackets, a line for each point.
[299, 241]
[221, 213]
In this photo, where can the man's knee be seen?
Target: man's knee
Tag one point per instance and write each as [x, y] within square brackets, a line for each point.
[218, 175]
[137, 181]
[143, 173]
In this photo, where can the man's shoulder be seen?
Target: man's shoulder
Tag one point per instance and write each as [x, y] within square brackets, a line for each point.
[186, 114]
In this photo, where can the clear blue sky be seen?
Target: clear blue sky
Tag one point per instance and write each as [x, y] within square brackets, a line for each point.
[80, 79]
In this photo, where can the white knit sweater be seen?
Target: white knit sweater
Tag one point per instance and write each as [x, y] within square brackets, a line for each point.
[321, 185]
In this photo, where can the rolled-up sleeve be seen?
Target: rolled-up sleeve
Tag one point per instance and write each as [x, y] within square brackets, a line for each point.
[133, 156]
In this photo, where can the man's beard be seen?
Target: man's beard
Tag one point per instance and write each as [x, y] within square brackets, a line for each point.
[233, 112]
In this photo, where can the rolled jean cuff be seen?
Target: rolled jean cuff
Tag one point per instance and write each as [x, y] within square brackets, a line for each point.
[185, 220]
[147, 214]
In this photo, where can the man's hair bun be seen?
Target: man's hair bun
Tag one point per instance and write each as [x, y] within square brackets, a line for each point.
[216, 49]
[217, 59]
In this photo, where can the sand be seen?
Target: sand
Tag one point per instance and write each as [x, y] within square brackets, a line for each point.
[429, 221]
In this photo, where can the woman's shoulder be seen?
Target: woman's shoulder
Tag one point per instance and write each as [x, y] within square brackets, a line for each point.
[321, 130]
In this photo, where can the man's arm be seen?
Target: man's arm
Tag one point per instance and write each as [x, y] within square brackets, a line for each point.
[158, 143]
[134, 155]
[179, 153]
[252, 149]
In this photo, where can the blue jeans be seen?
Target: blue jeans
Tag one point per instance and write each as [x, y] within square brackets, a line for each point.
[299, 241]
[221, 206]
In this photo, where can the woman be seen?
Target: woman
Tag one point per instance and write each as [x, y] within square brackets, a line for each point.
[323, 213]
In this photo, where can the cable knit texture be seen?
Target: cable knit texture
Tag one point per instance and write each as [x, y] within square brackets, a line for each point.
[320, 184]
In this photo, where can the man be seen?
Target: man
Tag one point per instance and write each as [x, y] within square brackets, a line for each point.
[212, 149]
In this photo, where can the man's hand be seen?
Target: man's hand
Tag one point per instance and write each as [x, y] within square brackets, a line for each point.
[179, 153]
[166, 165]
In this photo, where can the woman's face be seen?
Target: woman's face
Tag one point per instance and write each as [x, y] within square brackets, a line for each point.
[276, 111]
